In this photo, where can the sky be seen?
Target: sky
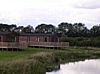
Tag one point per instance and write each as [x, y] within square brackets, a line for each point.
[35, 12]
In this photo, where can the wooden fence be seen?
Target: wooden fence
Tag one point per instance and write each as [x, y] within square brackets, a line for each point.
[22, 45]
[49, 44]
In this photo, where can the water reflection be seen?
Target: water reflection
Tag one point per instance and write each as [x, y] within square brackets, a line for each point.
[82, 67]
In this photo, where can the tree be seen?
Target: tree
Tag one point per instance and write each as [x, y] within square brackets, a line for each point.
[4, 27]
[64, 27]
[12, 27]
[28, 29]
[7, 28]
[19, 29]
[44, 28]
[85, 32]
[78, 28]
[95, 30]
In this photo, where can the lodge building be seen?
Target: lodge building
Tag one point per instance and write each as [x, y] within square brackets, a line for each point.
[38, 37]
[25, 37]
[24, 40]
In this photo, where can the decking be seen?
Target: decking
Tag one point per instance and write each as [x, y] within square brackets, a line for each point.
[15, 45]
[23, 45]
[49, 44]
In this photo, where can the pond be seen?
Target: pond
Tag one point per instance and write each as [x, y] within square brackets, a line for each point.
[82, 67]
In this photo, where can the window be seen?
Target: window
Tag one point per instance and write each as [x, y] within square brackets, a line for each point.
[0, 38]
[45, 39]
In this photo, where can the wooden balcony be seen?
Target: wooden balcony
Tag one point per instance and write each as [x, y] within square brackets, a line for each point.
[23, 45]
[16, 45]
[49, 44]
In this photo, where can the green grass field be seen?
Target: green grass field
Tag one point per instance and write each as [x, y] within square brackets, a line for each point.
[36, 60]
[13, 55]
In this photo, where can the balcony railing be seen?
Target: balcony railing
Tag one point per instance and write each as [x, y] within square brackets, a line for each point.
[22, 45]
[49, 44]
[13, 45]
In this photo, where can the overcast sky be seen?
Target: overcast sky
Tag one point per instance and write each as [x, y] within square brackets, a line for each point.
[34, 12]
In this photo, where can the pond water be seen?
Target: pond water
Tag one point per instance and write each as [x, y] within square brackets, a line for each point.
[81, 67]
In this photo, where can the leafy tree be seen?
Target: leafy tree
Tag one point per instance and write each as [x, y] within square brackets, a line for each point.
[4, 27]
[44, 28]
[64, 27]
[40, 28]
[72, 30]
[95, 31]
[7, 28]
[12, 27]
[78, 28]
[28, 29]
[19, 29]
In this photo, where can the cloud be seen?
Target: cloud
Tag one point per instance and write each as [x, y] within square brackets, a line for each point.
[88, 16]
[89, 4]
[34, 12]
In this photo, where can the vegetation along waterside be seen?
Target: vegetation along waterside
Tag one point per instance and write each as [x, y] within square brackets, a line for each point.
[39, 60]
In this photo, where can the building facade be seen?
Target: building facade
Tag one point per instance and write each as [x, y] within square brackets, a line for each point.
[38, 38]
[24, 40]
[24, 37]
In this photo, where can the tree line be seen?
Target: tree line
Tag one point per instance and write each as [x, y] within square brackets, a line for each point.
[76, 34]
[64, 28]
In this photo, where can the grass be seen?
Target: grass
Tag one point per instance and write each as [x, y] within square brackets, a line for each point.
[12, 55]
[37, 60]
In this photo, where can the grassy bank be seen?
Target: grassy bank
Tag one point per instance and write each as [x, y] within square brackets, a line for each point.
[38, 60]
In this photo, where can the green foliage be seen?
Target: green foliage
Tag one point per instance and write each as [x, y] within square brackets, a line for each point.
[82, 41]
[44, 28]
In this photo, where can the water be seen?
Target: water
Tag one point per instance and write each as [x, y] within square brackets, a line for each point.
[81, 67]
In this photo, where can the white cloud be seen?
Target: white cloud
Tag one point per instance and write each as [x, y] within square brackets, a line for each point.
[34, 12]
[89, 4]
